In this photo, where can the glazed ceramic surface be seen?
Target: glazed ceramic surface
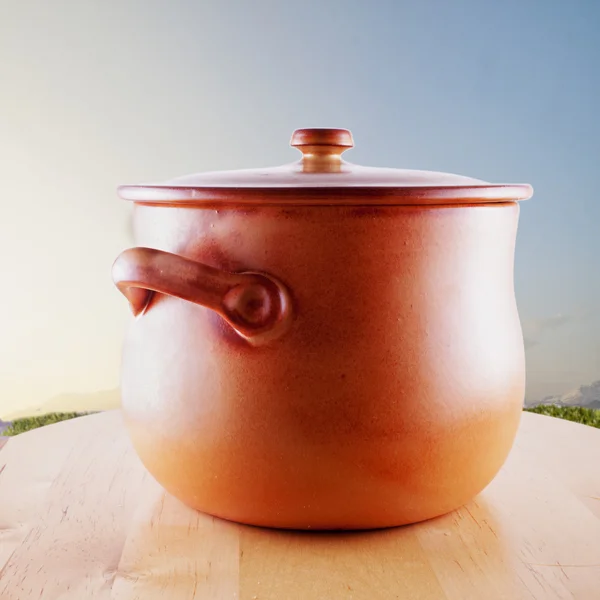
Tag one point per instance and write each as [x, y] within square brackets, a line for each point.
[322, 353]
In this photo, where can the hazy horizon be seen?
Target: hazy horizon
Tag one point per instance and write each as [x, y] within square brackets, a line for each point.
[110, 398]
[96, 95]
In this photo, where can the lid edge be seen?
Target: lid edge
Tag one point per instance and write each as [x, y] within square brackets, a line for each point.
[352, 195]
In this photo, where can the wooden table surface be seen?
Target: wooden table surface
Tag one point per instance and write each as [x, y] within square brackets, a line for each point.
[81, 518]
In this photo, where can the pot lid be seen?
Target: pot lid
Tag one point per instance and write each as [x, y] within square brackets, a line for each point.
[322, 176]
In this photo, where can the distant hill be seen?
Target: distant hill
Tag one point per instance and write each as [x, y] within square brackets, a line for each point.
[587, 396]
[105, 400]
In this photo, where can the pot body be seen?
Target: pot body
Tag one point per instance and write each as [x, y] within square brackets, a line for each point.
[394, 396]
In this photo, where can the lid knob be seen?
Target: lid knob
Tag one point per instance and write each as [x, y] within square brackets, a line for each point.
[322, 148]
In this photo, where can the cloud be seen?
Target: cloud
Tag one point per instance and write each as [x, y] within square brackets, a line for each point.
[534, 329]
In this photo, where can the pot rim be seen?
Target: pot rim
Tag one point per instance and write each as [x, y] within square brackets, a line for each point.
[328, 196]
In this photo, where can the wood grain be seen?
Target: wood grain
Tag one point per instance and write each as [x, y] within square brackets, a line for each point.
[81, 518]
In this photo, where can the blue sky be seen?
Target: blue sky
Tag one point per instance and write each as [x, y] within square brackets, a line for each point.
[104, 93]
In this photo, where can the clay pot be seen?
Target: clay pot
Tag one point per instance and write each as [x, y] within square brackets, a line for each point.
[323, 345]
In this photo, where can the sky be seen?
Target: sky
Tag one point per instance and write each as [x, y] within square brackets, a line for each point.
[93, 95]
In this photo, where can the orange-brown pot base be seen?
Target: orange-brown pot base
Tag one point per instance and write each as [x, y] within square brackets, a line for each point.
[347, 488]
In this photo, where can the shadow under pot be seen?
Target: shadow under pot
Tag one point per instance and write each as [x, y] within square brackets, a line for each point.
[322, 345]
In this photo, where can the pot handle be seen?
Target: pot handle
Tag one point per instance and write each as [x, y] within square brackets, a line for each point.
[257, 306]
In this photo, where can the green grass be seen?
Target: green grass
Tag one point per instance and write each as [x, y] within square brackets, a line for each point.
[586, 416]
[28, 423]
